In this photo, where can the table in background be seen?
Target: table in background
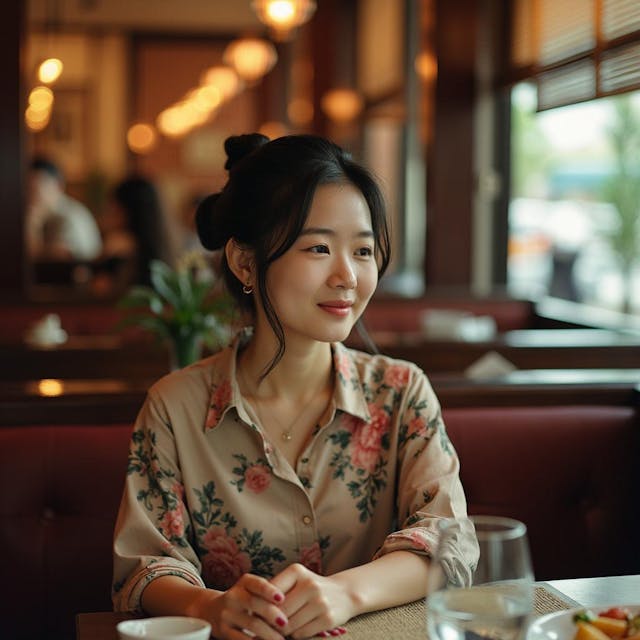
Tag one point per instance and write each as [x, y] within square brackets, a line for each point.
[408, 621]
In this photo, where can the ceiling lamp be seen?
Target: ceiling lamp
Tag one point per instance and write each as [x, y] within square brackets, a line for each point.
[342, 105]
[38, 112]
[282, 16]
[49, 70]
[225, 79]
[141, 138]
[251, 58]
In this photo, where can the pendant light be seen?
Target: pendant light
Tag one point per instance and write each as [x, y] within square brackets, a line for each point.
[283, 16]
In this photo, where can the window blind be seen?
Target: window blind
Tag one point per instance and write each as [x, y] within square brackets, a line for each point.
[576, 50]
[566, 29]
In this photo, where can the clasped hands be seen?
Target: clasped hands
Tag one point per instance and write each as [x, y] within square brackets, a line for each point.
[314, 605]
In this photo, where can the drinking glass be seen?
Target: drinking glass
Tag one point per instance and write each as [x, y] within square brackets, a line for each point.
[494, 600]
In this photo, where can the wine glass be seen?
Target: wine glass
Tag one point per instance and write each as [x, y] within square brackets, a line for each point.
[494, 600]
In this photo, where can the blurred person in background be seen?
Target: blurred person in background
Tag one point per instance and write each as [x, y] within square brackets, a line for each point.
[137, 232]
[58, 227]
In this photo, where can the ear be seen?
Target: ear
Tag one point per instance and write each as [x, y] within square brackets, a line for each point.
[240, 261]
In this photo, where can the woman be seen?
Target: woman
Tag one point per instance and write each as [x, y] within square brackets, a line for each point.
[275, 471]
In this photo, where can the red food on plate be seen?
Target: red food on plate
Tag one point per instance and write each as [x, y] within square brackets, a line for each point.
[619, 613]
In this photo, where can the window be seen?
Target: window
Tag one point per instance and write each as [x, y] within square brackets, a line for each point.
[574, 214]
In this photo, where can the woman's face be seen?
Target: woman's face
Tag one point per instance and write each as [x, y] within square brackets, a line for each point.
[322, 284]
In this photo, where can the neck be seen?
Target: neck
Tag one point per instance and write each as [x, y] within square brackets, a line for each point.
[301, 373]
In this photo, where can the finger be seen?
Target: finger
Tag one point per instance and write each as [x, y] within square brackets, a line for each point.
[251, 625]
[258, 586]
[287, 578]
[270, 613]
[338, 631]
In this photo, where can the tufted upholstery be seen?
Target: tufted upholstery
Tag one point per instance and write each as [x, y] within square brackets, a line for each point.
[571, 473]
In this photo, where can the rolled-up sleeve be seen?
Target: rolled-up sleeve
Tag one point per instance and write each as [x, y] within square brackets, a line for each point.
[153, 531]
[429, 488]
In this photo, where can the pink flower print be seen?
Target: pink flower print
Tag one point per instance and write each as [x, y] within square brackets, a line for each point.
[154, 467]
[166, 547]
[417, 540]
[173, 523]
[219, 400]
[211, 538]
[178, 490]
[367, 439]
[224, 562]
[396, 376]
[417, 427]
[351, 423]
[257, 478]
[311, 557]
[343, 365]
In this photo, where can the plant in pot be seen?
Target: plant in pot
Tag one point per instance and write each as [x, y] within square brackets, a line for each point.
[184, 307]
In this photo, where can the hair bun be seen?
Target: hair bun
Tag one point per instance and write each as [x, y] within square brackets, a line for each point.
[211, 231]
[237, 147]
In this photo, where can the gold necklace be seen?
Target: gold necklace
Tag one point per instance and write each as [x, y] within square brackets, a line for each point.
[286, 433]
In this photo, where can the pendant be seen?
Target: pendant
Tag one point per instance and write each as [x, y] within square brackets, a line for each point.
[286, 435]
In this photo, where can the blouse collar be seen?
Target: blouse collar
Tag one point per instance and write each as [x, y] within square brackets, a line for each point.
[348, 395]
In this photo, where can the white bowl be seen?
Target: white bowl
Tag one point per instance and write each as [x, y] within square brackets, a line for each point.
[165, 628]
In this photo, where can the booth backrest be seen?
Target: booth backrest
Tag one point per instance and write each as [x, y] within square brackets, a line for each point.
[61, 487]
[405, 315]
[570, 473]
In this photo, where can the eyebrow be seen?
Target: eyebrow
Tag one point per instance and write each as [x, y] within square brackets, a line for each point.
[330, 232]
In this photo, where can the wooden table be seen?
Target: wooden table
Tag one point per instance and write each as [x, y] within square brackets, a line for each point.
[408, 621]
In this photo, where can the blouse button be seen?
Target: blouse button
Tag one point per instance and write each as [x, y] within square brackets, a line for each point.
[306, 520]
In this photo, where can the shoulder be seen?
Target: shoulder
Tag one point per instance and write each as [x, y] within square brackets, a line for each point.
[377, 364]
[190, 386]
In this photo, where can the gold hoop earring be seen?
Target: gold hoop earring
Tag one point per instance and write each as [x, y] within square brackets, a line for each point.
[247, 288]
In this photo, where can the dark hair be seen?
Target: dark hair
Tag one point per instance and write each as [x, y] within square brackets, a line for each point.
[266, 202]
[41, 163]
[140, 202]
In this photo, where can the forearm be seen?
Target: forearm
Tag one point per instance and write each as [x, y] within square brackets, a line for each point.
[393, 579]
[171, 595]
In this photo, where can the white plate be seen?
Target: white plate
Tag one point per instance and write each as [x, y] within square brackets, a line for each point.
[560, 625]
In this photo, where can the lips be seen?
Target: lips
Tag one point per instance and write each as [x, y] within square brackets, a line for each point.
[336, 307]
[337, 304]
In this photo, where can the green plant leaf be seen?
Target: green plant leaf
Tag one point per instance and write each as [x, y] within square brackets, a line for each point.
[163, 281]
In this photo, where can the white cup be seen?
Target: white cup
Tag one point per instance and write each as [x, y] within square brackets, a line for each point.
[165, 628]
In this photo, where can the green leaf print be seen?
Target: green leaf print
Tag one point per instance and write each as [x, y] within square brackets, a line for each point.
[208, 516]
[250, 542]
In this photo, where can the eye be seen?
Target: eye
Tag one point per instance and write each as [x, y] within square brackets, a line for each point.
[319, 248]
[364, 252]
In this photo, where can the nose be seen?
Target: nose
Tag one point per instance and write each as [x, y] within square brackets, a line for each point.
[343, 275]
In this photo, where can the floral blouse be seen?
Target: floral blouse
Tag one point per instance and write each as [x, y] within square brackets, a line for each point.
[208, 496]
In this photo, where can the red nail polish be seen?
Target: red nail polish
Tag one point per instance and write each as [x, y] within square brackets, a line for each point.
[280, 621]
[278, 597]
[334, 632]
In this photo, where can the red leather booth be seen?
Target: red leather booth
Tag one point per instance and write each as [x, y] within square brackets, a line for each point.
[569, 472]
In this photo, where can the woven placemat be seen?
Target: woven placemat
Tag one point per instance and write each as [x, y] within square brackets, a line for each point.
[408, 622]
